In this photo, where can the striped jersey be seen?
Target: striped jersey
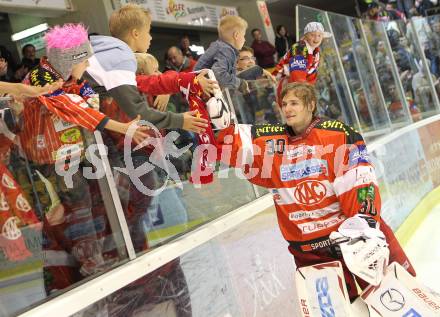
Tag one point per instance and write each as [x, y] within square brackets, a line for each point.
[317, 179]
[51, 124]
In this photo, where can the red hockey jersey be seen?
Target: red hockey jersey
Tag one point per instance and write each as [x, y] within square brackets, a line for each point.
[317, 179]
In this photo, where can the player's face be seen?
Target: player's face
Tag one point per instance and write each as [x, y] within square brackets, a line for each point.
[295, 111]
[314, 38]
[142, 38]
[245, 60]
[79, 69]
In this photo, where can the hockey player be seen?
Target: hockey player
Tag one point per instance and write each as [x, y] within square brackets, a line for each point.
[301, 62]
[320, 176]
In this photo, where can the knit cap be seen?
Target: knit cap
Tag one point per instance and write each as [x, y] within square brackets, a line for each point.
[67, 46]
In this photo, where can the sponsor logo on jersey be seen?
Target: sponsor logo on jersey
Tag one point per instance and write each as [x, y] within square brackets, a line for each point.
[268, 129]
[303, 169]
[71, 136]
[22, 203]
[325, 303]
[298, 63]
[310, 227]
[8, 182]
[358, 155]
[310, 192]
[300, 151]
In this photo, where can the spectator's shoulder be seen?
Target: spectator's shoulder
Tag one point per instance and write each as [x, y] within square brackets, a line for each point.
[352, 135]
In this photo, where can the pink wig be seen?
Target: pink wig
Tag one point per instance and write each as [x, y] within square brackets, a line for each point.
[67, 36]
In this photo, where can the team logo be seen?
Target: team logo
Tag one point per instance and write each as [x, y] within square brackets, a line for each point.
[276, 195]
[392, 299]
[300, 151]
[3, 203]
[10, 229]
[22, 203]
[310, 192]
[8, 182]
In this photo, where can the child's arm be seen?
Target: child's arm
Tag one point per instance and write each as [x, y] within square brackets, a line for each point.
[171, 83]
[74, 109]
[240, 146]
[21, 90]
[222, 66]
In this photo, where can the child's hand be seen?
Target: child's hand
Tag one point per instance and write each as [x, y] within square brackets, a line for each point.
[193, 122]
[19, 91]
[161, 102]
[268, 75]
[208, 85]
[141, 132]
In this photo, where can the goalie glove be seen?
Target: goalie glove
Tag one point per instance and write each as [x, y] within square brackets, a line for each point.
[363, 248]
[219, 110]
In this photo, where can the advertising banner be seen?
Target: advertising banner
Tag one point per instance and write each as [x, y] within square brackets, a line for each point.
[185, 12]
[44, 4]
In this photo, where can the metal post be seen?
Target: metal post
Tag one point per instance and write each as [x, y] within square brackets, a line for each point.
[112, 202]
[394, 69]
[425, 65]
[361, 77]
[375, 76]
[344, 77]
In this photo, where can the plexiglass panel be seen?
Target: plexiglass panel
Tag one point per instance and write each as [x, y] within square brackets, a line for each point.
[58, 224]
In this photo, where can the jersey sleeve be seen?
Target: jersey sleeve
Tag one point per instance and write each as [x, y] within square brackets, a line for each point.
[279, 68]
[355, 183]
[73, 109]
[239, 148]
[167, 83]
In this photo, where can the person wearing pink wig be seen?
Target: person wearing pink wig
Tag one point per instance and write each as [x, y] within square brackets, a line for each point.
[51, 133]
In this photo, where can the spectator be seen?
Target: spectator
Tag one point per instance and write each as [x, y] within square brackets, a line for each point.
[246, 61]
[185, 48]
[178, 62]
[263, 50]
[423, 5]
[393, 13]
[283, 41]
[221, 56]
[374, 12]
[302, 61]
[29, 59]
[7, 65]
[433, 52]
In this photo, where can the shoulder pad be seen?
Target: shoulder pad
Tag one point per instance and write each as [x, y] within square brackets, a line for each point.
[260, 130]
[352, 135]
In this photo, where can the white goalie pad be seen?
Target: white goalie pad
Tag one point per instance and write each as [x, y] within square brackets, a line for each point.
[220, 112]
[322, 291]
[400, 294]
